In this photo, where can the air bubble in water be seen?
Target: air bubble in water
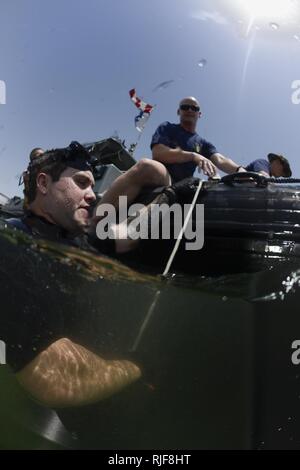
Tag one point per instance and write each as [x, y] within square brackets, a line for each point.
[274, 26]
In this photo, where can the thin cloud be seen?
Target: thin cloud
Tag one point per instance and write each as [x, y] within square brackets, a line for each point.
[163, 85]
[214, 16]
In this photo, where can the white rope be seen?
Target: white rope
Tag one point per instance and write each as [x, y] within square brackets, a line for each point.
[145, 322]
[157, 295]
[172, 256]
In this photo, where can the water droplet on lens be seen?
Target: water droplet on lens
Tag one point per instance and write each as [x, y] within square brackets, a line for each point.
[274, 26]
[202, 63]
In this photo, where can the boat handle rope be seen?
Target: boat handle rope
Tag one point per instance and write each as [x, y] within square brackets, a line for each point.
[283, 180]
[260, 180]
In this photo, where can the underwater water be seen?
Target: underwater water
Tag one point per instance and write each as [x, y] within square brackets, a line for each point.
[216, 354]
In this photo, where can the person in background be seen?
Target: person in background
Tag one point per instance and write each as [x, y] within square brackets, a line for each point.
[276, 165]
[35, 153]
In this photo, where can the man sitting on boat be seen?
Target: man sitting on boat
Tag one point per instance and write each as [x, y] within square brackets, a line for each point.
[182, 150]
[276, 165]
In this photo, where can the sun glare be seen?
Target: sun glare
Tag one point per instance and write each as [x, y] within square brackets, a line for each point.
[269, 9]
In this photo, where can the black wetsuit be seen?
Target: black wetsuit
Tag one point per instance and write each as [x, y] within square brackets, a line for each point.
[39, 227]
[27, 330]
[43, 300]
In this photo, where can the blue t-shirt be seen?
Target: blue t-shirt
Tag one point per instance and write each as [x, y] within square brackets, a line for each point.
[174, 135]
[259, 165]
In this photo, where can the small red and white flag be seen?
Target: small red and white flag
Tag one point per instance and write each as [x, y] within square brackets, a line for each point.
[142, 105]
[145, 110]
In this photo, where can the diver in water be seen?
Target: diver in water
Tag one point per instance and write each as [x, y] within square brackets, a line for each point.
[144, 174]
[46, 218]
[55, 370]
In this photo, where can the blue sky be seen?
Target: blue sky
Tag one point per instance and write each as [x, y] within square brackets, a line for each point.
[68, 67]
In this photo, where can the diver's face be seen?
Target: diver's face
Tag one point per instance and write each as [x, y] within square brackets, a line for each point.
[69, 199]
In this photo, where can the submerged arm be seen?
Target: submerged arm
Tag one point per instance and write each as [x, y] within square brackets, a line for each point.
[66, 374]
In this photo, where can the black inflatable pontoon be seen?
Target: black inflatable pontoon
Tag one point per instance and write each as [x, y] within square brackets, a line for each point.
[250, 223]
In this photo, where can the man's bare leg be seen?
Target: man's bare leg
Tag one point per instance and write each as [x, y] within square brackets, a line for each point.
[146, 173]
[122, 232]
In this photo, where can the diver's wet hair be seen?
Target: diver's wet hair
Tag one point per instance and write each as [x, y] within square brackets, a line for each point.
[54, 162]
[51, 166]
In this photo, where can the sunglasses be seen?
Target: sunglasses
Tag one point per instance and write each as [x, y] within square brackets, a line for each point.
[186, 107]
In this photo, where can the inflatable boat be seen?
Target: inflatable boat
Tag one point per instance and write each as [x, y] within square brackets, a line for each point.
[250, 223]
